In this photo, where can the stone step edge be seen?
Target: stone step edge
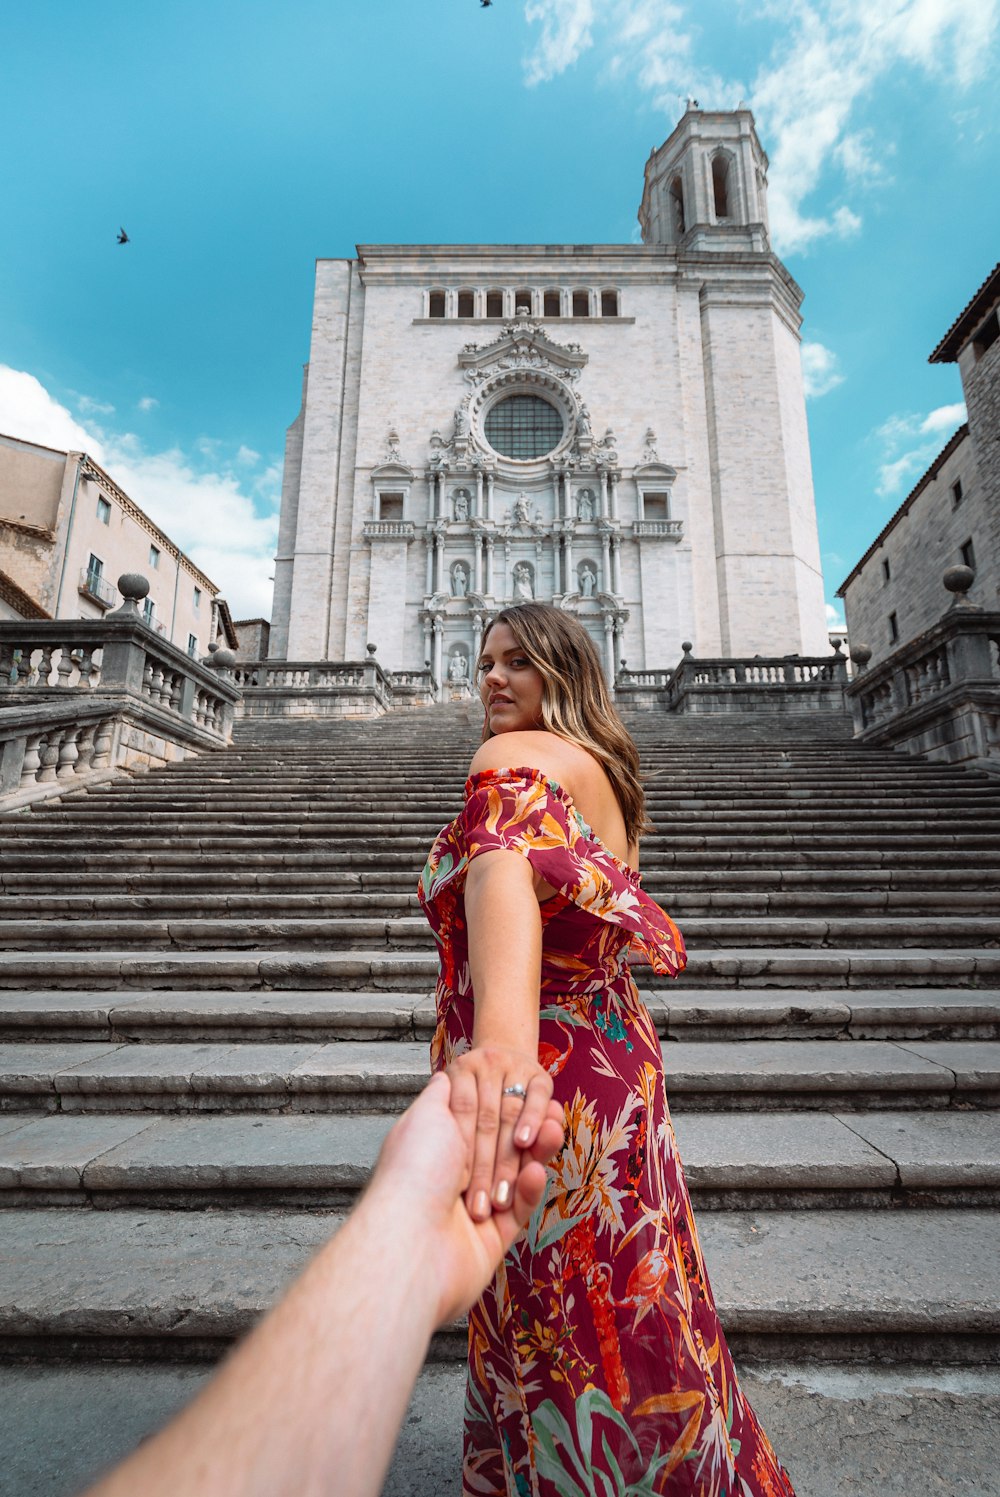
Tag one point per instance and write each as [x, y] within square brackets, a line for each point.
[894, 1284]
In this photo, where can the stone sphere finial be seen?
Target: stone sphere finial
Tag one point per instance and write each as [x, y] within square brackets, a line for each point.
[371, 650]
[687, 646]
[222, 660]
[958, 580]
[133, 586]
[860, 655]
[837, 643]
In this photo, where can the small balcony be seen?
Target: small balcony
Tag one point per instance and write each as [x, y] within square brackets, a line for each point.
[93, 586]
[661, 530]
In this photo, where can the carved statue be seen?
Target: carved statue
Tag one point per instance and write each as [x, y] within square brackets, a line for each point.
[461, 505]
[461, 419]
[522, 510]
[523, 583]
[588, 580]
[458, 670]
[585, 505]
[583, 422]
[459, 579]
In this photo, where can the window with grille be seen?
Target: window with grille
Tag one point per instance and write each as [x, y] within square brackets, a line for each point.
[523, 426]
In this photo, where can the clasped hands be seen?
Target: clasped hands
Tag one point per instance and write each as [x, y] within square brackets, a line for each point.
[500, 1128]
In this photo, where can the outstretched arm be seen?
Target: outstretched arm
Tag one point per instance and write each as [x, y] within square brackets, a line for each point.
[312, 1401]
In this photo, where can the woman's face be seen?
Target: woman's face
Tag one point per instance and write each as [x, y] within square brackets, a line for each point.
[510, 686]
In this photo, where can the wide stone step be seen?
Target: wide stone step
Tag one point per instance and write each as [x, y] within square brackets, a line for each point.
[732, 1160]
[242, 970]
[397, 933]
[823, 1285]
[373, 1076]
[269, 905]
[679, 1012]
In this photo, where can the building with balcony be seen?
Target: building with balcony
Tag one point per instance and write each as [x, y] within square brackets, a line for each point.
[617, 429]
[951, 516]
[68, 532]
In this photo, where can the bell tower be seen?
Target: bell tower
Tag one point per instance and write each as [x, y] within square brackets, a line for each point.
[706, 186]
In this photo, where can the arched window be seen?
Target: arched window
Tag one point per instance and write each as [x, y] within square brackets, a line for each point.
[523, 299]
[720, 184]
[466, 304]
[677, 206]
[609, 303]
[435, 304]
[552, 304]
[494, 303]
[581, 303]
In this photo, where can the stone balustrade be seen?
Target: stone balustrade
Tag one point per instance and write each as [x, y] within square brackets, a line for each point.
[939, 694]
[793, 683]
[315, 688]
[86, 697]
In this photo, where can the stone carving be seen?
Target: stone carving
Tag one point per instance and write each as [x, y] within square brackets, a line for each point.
[462, 419]
[522, 510]
[458, 670]
[605, 451]
[524, 582]
[585, 505]
[459, 579]
[650, 454]
[392, 446]
[461, 502]
[588, 580]
[583, 422]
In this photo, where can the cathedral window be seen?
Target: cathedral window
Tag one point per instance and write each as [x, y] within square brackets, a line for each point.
[581, 303]
[656, 506]
[466, 304]
[494, 303]
[435, 304]
[523, 299]
[609, 303]
[677, 206]
[523, 427]
[720, 185]
[390, 507]
[553, 304]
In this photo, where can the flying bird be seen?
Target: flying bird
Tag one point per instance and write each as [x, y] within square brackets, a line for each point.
[122, 237]
[485, 3]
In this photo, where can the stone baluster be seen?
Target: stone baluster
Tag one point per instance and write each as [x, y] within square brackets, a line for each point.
[65, 667]
[85, 749]
[68, 755]
[49, 754]
[32, 761]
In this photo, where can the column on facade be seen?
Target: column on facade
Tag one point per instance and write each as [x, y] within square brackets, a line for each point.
[604, 495]
[565, 494]
[438, 648]
[429, 546]
[477, 640]
[479, 493]
[477, 562]
[506, 571]
[609, 648]
[618, 645]
[489, 496]
[439, 562]
[568, 558]
[614, 496]
[427, 642]
[616, 564]
[489, 566]
[606, 562]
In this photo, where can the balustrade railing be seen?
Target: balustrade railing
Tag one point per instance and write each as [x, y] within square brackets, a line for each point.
[751, 683]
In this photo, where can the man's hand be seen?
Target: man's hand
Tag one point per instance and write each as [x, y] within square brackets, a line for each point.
[419, 1181]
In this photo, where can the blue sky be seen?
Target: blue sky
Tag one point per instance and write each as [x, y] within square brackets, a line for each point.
[236, 143]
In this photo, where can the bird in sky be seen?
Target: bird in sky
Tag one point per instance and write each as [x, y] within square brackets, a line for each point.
[485, 3]
[122, 237]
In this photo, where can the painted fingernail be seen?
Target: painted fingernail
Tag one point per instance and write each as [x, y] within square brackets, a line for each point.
[480, 1204]
[523, 1135]
[501, 1196]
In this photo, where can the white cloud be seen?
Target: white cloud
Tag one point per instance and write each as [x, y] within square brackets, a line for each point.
[148, 403]
[910, 443]
[246, 456]
[835, 617]
[227, 524]
[90, 407]
[819, 370]
[566, 33]
[829, 58]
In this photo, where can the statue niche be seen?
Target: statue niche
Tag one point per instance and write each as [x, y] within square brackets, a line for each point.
[524, 582]
[459, 579]
[587, 578]
[458, 666]
[462, 506]
[586, 505]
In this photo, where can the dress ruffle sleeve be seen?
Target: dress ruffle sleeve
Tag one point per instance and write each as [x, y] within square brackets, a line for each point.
[520, 810]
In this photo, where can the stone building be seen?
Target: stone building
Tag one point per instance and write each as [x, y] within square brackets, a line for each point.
[952, 514]
[68, 532]
[619, 429]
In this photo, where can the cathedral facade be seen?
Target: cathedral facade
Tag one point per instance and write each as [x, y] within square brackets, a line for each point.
[619, 430]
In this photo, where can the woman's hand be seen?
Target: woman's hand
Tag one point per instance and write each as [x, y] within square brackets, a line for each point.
[496, 1129]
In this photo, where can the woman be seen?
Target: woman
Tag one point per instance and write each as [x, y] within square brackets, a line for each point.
[596, 1361]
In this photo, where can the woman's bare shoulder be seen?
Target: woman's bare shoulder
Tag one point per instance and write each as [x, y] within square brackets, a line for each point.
[551, 755]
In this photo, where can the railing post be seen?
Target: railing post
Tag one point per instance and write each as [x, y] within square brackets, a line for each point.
[12, 763]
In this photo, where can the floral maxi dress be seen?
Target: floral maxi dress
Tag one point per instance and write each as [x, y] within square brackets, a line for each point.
[597, 1364]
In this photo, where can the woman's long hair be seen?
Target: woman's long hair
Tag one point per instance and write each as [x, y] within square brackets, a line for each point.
[576, 703]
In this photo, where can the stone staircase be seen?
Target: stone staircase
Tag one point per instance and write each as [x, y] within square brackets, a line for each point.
[215, 991]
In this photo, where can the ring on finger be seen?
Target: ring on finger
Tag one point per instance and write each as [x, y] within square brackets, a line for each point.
[517, 1090]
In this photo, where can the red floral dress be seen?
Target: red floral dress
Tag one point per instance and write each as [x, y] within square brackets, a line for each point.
[597, 1364]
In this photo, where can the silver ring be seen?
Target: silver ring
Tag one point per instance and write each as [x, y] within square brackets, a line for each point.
[517, 1090]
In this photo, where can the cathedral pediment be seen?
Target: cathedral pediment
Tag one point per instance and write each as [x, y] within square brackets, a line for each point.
[522, 345]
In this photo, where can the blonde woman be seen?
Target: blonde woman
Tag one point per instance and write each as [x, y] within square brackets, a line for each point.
[597, 1364]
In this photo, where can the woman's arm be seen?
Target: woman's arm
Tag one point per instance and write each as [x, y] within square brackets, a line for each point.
[505, 955]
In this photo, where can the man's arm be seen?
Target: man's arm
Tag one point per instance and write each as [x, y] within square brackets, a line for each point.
[312, 1401]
